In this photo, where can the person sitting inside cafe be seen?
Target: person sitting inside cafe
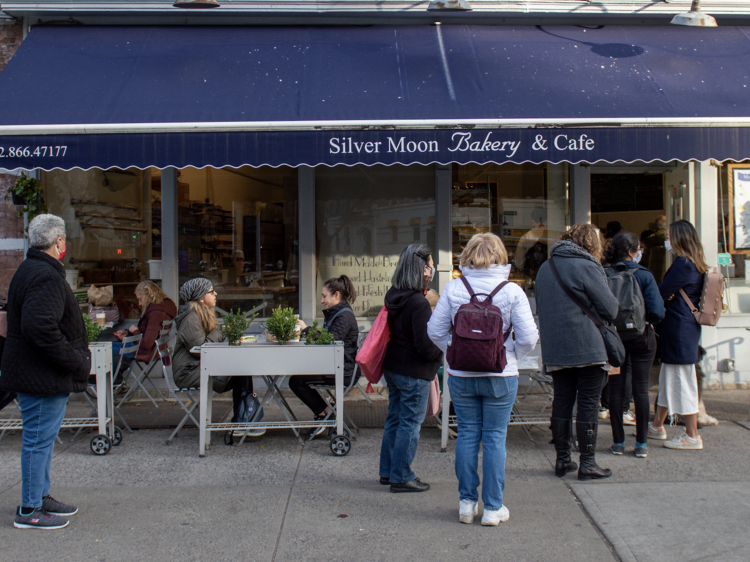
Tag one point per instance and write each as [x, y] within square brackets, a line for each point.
[197, 324]
[336, 295]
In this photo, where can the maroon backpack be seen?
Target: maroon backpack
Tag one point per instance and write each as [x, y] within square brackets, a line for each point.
[478, 341]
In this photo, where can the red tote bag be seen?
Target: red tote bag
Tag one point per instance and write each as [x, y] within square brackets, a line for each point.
[371, 354]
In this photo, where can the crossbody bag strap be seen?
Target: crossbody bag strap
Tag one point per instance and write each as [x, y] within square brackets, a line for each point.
[594, 318]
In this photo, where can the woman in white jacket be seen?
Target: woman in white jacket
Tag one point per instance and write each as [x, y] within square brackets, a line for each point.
[483, 401]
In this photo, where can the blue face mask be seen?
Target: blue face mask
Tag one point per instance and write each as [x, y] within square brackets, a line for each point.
[637, 259]
[668, 246]
[432, 273]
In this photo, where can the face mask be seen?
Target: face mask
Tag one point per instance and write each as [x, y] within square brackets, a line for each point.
[61, 254]
[432, 273]
[637, 259]
[668, 246]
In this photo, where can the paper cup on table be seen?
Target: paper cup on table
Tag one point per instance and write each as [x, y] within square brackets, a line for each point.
[101, 318]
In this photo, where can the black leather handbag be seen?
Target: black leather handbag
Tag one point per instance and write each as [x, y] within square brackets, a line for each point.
[612, 341]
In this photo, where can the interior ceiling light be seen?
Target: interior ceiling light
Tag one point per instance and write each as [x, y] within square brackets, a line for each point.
[694, 18]
[449, 5]
[196, 4]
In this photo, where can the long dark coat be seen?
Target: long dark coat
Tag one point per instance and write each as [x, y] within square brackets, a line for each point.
[46, 351]
[679, 331]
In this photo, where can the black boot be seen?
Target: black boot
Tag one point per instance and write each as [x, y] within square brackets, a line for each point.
[589, 470]
[561, 436]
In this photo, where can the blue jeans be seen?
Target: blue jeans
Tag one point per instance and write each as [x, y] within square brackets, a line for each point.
[42, 417]
[407, 407]
[483, 406]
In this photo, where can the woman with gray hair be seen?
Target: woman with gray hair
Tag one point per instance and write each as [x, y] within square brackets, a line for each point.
[411, 362]
[46, 358]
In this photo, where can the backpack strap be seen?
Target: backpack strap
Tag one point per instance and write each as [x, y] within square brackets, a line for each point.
[499, 288]
[468, 288]
[690, 304]
[330, 322]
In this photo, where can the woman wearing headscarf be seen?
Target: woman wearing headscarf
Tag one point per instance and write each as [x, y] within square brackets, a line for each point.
[197, 324]
[46, 357]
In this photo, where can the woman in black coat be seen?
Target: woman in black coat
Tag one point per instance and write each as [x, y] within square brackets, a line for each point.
[680, 334]
[411, 363]
[46, 357]
[336, 295]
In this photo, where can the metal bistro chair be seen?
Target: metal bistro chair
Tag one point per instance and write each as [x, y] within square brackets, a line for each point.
[145, 369]
[165, 356]
[130, 345]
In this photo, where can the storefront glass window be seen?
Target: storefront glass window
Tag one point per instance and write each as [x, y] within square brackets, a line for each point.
[526, 205]
[239, 228]
[732, 237]
[113, 220]
[365, 217]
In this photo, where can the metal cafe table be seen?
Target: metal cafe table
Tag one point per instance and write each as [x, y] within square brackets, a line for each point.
[101, 366]
[274, 363]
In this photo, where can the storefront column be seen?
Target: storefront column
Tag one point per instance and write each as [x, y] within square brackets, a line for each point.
[705, 209]
[443, 228]
[580, 193]
[307, 261]
[170, 282]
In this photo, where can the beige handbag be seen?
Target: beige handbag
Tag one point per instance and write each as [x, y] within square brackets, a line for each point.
[709, 310]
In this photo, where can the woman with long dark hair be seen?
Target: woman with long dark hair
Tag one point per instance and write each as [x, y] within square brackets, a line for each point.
[411, 362]
[573, 350]
[336, 295]
[625, 251]
[680, 334]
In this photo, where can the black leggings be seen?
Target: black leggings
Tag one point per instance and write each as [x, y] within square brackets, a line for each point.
[641, 353]
[301, 386]
[583, 383]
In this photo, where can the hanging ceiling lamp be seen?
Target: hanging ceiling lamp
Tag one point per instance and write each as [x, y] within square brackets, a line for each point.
[196, 4]
[694, 18]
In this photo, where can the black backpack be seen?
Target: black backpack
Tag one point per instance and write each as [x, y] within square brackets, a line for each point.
[631, 315]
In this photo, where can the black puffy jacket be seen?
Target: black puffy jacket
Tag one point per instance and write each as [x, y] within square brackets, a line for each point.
[344, 328]
[46, 351]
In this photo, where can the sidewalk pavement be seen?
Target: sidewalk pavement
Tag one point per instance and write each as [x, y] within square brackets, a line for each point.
[271, 499]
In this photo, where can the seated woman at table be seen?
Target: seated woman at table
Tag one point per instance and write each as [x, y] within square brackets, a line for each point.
[156, 307]
[197, 324]
[336, 295]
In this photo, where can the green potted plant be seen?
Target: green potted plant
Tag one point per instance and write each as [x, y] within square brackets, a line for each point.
[317, 336]
[235, 323]
[282, 324]
[93, 330]
[27, 191]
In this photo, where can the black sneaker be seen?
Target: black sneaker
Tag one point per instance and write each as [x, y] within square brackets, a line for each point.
[315, 431]
[54, 507]
[406, 487]
[39, 519]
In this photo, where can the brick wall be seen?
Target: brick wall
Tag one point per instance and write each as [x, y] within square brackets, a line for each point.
[11, 35]
[11, 226]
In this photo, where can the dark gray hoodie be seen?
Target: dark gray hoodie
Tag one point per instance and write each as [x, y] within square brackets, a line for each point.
[569, 338]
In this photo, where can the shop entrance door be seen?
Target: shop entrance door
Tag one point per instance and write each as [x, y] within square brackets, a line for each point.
[635, 202]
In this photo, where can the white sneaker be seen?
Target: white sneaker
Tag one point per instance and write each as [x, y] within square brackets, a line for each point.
[628, 418]
[685, 442]
[660, 434]
[255, 432]
[603, 414]
[467, 510]
[491, 518]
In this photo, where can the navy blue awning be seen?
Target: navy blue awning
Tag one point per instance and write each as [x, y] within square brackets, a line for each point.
[232, 96]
